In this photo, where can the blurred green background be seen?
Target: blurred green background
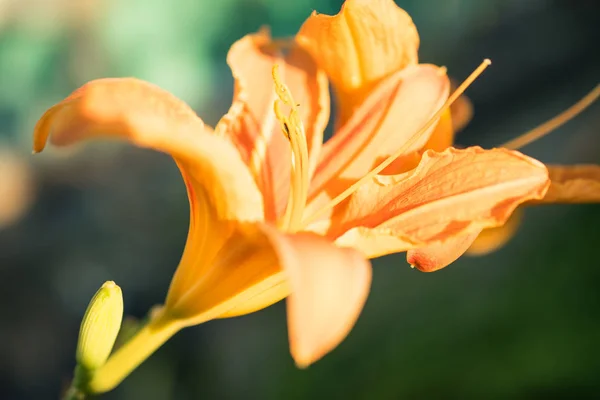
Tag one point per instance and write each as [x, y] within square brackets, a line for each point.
[521, 323]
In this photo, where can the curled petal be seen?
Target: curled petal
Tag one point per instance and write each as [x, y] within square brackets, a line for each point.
[251, 122]
[573, 184]
[329, 286]
[450, 194]
[148, 116]
[393, 113]
[365, 42]
[440, 255]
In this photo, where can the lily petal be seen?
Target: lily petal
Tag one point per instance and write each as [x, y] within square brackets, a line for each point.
[365, 42]
[251, 122]
[243, 276]
[329, 287]
[573, 184]
[148, 116]
[440, 255]
[450, 194]
[392, 114]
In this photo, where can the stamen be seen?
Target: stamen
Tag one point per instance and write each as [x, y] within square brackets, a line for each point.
[287, 217]
[548, 126]
[457, 93]
[293, 129]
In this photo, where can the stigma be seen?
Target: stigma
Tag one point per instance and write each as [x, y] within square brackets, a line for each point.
[293, 129]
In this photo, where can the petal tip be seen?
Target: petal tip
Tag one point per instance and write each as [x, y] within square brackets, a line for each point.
[423, 264]
[303, 361]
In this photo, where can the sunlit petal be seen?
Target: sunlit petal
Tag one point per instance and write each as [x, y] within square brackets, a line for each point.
[453, 193]
[365, 42]
[150, 117]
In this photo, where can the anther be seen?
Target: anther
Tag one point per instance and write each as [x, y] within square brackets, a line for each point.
[293, 129]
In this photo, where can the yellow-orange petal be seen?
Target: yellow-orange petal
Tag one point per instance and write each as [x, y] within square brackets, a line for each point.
[147, 116]
[392, 114]
[492, 239]
[453, 193]
[365, 42]
[251, 122]
[243, 276]
[440, 255]
[573, 184]
[329, 286]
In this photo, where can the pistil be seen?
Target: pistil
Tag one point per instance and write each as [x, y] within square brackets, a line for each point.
[293, 129]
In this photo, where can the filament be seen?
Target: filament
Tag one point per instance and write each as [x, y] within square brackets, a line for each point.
[554, 123]
[293, 129]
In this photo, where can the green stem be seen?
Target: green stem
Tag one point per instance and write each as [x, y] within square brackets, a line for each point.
[77, 390]
[133, 353]
[74, 394]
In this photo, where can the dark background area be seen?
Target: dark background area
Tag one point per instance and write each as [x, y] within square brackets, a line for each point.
[520, 323]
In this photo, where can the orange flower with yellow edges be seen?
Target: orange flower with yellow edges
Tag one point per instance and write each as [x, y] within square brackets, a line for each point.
[274, 211]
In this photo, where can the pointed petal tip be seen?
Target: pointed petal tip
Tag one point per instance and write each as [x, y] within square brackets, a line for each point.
[421, 263]
[439, 255]
[302, 362]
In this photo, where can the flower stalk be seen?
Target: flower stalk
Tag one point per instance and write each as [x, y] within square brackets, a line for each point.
[135, 351]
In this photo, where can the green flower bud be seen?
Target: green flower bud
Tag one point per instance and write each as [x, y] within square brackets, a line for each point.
[100, 326]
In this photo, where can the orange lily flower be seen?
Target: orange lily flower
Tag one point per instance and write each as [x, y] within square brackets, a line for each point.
[274, 211]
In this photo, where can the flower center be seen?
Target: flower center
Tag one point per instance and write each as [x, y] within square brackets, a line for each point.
[292, 127]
